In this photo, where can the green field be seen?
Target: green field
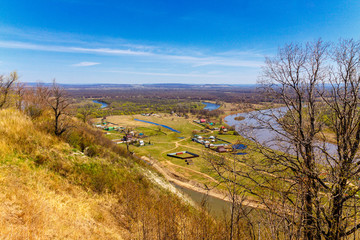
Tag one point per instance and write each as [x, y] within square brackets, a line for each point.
[163, 141]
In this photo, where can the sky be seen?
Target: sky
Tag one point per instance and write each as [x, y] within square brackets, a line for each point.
[148, 41]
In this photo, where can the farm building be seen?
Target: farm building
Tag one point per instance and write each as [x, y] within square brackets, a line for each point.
[221, 149]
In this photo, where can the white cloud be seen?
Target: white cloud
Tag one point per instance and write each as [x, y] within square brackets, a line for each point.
[194, 61]
[49, 48]
[85, 64]
[109, 51]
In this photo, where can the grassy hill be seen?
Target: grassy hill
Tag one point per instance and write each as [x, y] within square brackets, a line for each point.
[81, 186]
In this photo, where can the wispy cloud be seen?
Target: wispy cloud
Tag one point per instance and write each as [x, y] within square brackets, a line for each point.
[52, 48]
[85, 64]
[195, 61]
[109, 51]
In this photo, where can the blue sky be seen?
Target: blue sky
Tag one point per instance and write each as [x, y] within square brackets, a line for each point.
[92, 41]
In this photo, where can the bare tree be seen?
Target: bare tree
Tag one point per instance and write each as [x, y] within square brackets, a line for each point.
[36, 101]
[302, 179]
[84, 112]
[128, 138]
[228, 176]
[20, 94]
[59, 102]
[295, 76]
[308, 184]
[6, 84]
[342, 100]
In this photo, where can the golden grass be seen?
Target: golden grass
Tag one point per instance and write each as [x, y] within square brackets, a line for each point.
[18, 133]
[36, 203]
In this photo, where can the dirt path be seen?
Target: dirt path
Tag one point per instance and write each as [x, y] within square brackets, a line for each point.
[177, 144]
[170, 150]
[194, 171]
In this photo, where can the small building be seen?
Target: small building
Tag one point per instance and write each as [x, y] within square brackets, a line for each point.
[221, 149]
[202, 120]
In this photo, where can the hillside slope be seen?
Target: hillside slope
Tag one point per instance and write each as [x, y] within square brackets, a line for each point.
[37, 202]
[80, 187]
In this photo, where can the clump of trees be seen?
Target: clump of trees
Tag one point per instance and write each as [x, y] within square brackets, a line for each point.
[36, 101]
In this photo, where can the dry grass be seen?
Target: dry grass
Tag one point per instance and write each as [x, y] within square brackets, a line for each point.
[36, 203]
[19, 134]
[39, 205]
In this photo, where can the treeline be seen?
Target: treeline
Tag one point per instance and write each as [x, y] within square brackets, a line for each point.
[144, 105]
[182, 107]
[232, 95]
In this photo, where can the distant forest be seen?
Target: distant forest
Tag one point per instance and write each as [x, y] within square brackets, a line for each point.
[226, 93]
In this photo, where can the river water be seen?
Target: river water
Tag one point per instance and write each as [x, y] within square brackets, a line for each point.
[216, 207]
[257, 125]
[103, 105]
[210, 106]
[262, 126]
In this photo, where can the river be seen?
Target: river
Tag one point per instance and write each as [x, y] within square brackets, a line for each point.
[210, 106]
[262, 126]
[216, 206]
[103, 104]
